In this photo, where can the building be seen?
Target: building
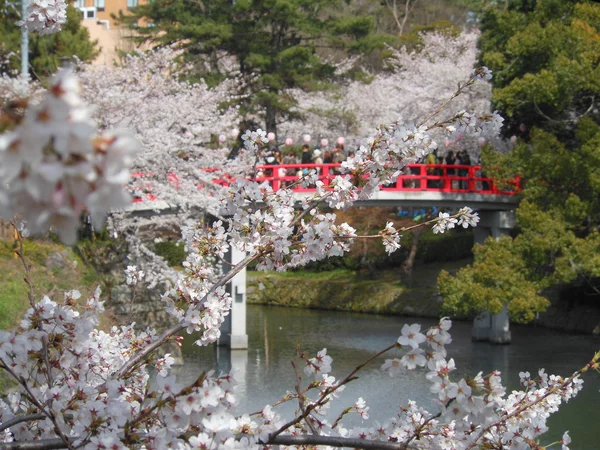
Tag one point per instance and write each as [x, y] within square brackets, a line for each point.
[103, 10]
[98, 19]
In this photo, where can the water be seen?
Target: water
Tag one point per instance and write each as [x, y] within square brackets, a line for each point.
[265, 373]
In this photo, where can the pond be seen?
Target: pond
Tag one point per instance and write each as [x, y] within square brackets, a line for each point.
[265, 373]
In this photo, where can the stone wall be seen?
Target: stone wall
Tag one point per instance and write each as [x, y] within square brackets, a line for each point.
[572, 309]
[142, 306]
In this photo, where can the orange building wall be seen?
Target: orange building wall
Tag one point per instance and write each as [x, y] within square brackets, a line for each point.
[111, 7]
[111, 38]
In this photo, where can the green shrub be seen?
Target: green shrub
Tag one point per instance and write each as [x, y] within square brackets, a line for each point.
[172, 252]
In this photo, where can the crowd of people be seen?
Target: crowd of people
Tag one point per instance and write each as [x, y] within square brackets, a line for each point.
[461, 158]
[308, 158]
[324, 155]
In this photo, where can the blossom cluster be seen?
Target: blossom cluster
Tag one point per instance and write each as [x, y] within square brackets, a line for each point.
[54, 165]
[175, 122]
[471, 412]
[465, 217]
[45, 16]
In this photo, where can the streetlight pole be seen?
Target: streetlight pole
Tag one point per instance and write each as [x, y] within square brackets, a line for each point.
[24, 33]
[24, 41]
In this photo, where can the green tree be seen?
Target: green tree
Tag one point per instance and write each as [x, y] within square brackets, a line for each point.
[275, 46]
[45, 52]
[546, 57]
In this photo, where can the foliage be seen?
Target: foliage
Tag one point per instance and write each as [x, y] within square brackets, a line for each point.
[546, 60]
[45, 52]
[172, 252]
[495, 280]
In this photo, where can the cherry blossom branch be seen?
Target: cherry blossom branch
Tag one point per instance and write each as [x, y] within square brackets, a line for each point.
[26, 266]
[301, 398]
[323, 398]
[42, 444]
[47, 413]
[20, 419]
[31, 297]
[593, 364]
[142, 354]
[334, 441]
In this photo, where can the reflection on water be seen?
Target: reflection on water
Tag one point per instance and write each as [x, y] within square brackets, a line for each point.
[265, 373]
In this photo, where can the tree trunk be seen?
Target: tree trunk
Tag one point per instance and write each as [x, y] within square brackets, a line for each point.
[409, 263]
[365, 261]
[271, 119]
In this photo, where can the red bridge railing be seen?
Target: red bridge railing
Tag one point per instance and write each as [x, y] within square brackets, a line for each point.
[418, 177]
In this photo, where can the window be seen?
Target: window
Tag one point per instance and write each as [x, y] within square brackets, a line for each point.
[89, 12]
[99, 4]
[132, 3]
[79, 4]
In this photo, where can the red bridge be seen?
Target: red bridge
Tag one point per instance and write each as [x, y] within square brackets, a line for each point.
[439, 185]
[418, 178]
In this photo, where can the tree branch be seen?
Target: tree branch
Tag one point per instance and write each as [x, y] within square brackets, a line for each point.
[19, 419]
[42, 444]
[339, 442]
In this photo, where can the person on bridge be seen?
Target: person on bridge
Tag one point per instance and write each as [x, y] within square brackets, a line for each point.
[450, 160]
[316, 158]
[430, 161]
[464, 160]
[290, 158]
[306, 155]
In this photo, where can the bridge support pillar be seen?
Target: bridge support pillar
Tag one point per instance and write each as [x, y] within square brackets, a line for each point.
[493, 223]
[493, 327]
[233, 330]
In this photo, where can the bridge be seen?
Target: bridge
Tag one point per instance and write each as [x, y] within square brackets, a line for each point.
[422, 185]
[438, 185]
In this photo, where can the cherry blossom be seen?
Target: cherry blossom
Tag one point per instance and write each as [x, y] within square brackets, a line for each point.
[54, 164]
[445, 222]
[45, 16]
[320, 364]
[411, 336]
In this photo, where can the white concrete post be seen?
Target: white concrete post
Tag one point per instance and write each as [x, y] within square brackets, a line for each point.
[486, 326]
[500, 328]
[233, 330]
[481, 327]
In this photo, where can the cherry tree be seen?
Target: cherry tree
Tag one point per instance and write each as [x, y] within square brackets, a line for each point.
[82, 387]
[416, 84]
[174, 121]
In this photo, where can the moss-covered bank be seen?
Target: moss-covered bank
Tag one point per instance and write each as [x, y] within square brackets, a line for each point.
[350, 291]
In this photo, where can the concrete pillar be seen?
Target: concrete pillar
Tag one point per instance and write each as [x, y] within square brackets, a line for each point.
[486, 326]
[236, 360]
[500, 328]
[493, 223]
[481, 326]
[233, 330]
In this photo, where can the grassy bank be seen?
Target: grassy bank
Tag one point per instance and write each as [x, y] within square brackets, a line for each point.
[54, 270]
